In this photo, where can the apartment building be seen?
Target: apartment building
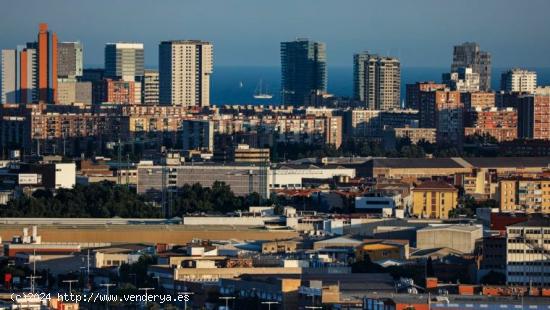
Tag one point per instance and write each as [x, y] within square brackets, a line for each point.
[522, 194]
[185, 67]
[434, 199]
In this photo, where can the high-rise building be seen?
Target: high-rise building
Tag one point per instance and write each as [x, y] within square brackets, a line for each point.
[463, 80]
[518, 81]
[47, 64]
[469, 55]
[69, 91]
[28, 75]
[443, 110]
[377, 81]
[412, 96]
[303, 70]
[198, 134]
[534, 117]
[501, 124]
[359, 61]
[9, 76]
[184, 72]
[125, 61]
[474, 100]
[150, 88]
[70, 60]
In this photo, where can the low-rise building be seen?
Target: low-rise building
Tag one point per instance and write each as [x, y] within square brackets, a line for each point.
[524, 194]
[457, 237]
[434, 199]
[381, 250]
[528, 252]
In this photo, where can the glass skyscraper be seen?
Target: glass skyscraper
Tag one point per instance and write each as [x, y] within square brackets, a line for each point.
[304, 70]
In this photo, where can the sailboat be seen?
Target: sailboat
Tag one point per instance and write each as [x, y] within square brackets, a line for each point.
[261, 93]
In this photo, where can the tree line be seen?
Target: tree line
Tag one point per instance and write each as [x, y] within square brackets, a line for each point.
[106, 200]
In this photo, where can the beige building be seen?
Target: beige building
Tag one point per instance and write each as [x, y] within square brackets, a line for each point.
[531, 195]
[416, 134]
[519, 80]
[433, 199]
[72, 91]
[184, 72]
[457, 237]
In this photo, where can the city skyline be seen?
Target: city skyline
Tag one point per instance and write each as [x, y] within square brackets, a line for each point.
[245, 35]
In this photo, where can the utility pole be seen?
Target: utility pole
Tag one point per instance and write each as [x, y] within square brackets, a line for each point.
[269, 303]
[108, 296]
[70, 284]
[146, 289]
[32, 278]
[185, 300]
[227, 298]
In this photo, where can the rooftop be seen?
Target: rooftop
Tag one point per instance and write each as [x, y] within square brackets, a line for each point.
[534, 221]
[439, 185]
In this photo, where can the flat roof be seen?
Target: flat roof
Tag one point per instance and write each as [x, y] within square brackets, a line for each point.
[502, 162]
[418, 163]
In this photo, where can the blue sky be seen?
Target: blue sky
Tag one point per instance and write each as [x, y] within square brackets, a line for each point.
[248, 32]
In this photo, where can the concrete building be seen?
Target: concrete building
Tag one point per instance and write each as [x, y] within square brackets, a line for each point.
[243, 179]
[184, 73]
[470, 55]
[498, 123]
[528, 258]
[518, 81]
[371, 123]
[125, 62]
[28, 74]
[478, 99]
[381, 250]
[524, 194]
[303, 71]
[150, 88]
[291, 176]
[377, 81]
[243, 153]
[463, 80]
[70, 60]
[457, 237]
[9, 76]
[118, 92]
[412, 95]
[47, 64]
[415, 135]
[53, 175]
[443, 111]
[73, 91]
[434, 199]
[198, 134]
[534, 117]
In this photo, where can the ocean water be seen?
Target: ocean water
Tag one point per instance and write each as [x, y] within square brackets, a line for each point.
[237, 85]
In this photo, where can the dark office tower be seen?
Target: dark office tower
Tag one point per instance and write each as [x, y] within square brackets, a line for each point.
[303, 70]
[377, 81]
[359, 75]
[469, 55]
[69, 56]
